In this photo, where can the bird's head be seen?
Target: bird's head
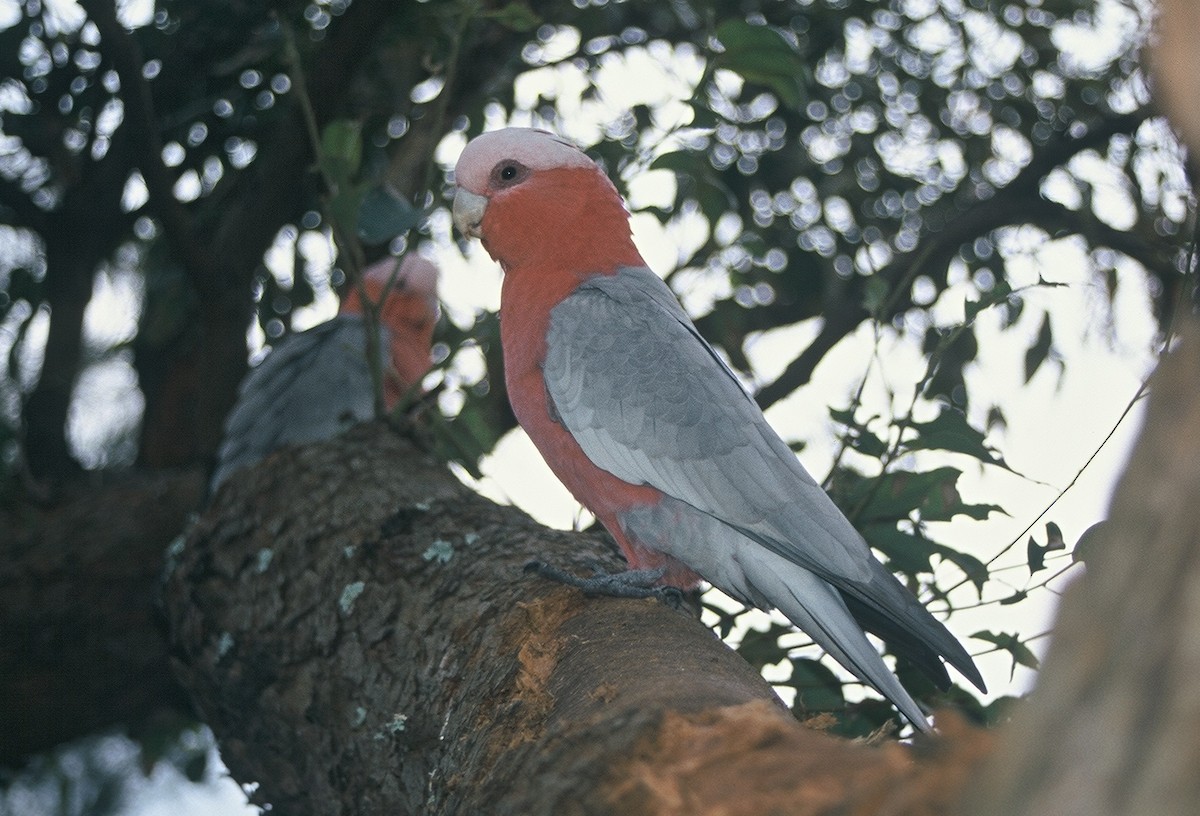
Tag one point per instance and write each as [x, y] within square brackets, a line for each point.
[408, 309]
[534, 198]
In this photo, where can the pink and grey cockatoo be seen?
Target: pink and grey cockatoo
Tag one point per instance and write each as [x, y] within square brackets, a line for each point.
[317, 383]
[650, 430]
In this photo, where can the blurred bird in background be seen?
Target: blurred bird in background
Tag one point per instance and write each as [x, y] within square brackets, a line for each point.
[317, 383]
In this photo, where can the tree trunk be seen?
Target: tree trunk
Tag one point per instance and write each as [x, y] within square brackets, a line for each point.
[1112, 727]
[85, 228]
[358, 630]
[69, 277]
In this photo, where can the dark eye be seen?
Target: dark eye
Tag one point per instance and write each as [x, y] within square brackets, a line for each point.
[508, 173]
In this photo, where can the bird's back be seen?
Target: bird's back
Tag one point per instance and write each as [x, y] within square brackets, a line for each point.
[311, 387]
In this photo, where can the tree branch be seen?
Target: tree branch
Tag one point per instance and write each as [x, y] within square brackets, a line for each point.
[948, 228]
[357, 629]
[144, 126]
[85, 227]
[838, 322]
[377, 647]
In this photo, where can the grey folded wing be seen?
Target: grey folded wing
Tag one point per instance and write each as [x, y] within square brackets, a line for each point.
[649, 400]
[311, 387]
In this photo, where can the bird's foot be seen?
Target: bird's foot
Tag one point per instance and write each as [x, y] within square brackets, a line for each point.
[636, 583]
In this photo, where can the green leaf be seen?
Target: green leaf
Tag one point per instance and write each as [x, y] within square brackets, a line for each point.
[465, 439]
[1035, 556]
[515, 17]
[897, 494]
[762, 648]
[1054, 537]
[762, 55]
[951, 431]
[726, 620]
[997, 294]
[341, 150]
[952, 349]
[843, 416]
[1039, 351]
[714, 199]
[345, 206]
[876, 295]
[382, 216]
[860, 437]
[905, 552]
[912, 553]
[681, 161]
[975, 570]
[1010, 642]
[699, 180]
[817, 687]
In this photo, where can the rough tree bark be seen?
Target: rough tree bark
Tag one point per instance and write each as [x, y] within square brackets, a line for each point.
[1118, 693]
[357, 628]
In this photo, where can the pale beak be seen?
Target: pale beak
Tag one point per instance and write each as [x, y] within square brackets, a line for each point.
[468, 212]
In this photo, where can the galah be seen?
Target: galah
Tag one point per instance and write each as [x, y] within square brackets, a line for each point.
[649, 429]
[317, 383]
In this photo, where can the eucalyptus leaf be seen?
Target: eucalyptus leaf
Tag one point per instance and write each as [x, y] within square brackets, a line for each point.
[382, 216]
[1010, 642]
[762, 55]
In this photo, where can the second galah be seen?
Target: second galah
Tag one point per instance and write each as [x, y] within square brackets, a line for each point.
[317, 383]
[648, 428]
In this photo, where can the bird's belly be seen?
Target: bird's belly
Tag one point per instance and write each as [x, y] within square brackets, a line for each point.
[595, 488]
[607, 496]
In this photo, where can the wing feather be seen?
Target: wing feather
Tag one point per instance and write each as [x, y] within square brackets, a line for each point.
[673, 416]
[312, 386]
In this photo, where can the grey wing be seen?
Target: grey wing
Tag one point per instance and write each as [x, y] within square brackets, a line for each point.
[651, 402]
[311, 387]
